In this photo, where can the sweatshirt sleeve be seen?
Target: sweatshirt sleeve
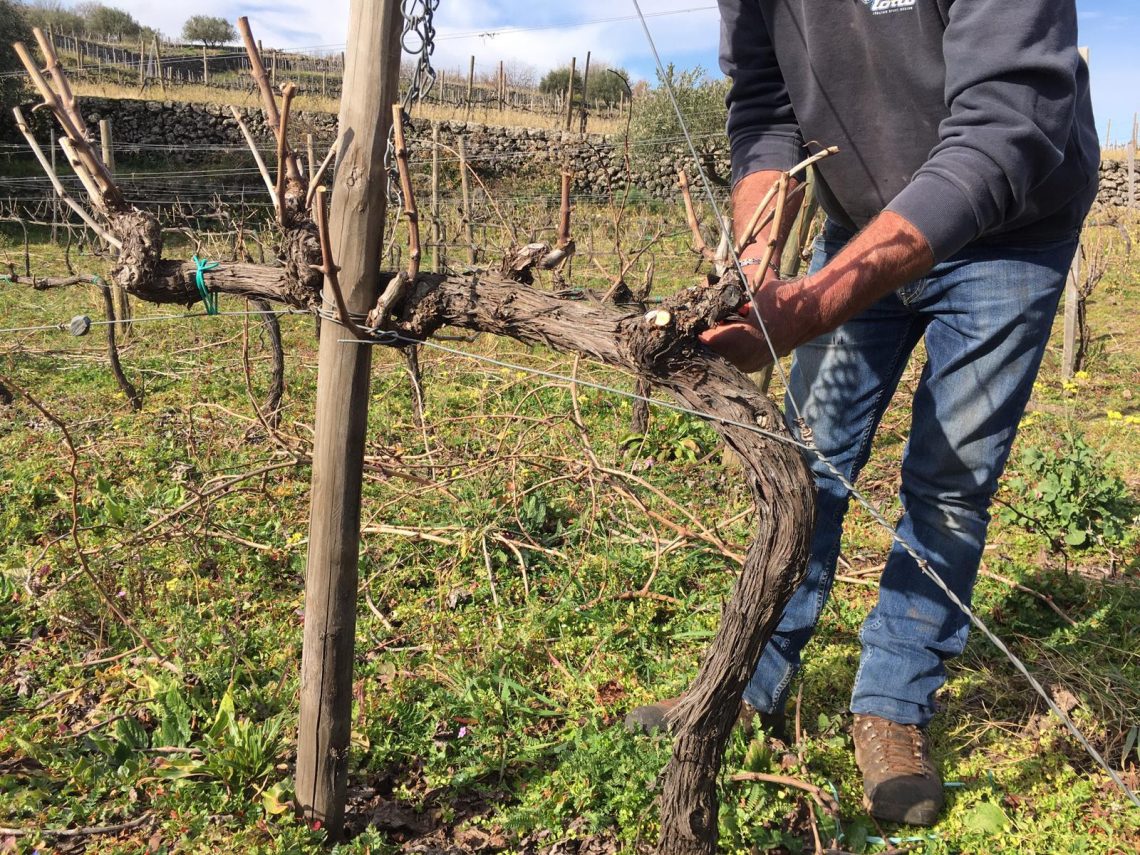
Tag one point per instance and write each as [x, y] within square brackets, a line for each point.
[762, 128]
[1011, 89]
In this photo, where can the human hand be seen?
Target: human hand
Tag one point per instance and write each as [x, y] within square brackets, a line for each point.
[741, 340]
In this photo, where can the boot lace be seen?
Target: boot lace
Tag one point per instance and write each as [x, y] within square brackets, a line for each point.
[899, 748]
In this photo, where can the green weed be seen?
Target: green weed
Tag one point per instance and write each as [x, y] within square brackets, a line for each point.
[1069, 496]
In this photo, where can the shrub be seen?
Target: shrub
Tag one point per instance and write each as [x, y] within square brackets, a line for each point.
[13, 28]
[701, 100]
[1068, 496]
[604, 84]
[208, 30]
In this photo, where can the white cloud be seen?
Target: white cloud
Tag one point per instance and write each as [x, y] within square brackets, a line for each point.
[491, 30]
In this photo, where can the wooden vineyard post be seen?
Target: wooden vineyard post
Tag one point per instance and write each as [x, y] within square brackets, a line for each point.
[158, 66]
[359, 205]
[570, 92]
[120, 302]
[106, 145]
[55, 199]
[205, 67]
[1132, 165]
[792, 256]
[1072, 301]
[436, 232]
[470, 86]
[1072, 318]
[585, 95]
[465, 189]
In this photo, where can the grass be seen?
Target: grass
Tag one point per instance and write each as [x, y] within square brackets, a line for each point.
[494, 655]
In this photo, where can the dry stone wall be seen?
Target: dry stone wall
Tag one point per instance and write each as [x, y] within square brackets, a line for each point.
[1113, 190]
[195, 131]
[190, 131]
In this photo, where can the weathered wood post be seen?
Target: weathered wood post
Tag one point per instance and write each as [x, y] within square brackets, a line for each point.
[205, 67]
[1071, 340]
[55, 210]
[585, 95]
[470, 85]
[1072, 302]
[1132, 165]
[465, 189]
[120, 302]
[436, 231]
[570, 92]
[792, 257]
[359, 204]
[158, 64]
[106, 145]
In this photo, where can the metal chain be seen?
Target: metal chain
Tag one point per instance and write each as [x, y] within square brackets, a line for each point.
[418, 40]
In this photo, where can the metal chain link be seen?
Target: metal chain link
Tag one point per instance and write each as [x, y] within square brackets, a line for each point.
[418, 40]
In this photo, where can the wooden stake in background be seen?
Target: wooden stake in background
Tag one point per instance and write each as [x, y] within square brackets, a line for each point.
[1072, 306]
[158, 66]
[470, 86]
[465, 187]
[1072, 300]
[1132, 165]
[106, 144]
[436, 231]
[55, 212]
[120, 301]
[570, 92]
[359, 205]
[585, 95]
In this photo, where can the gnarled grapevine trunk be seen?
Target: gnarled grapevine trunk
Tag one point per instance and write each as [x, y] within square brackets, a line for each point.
[777, 476]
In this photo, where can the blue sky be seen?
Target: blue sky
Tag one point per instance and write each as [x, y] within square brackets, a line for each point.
[544, 34]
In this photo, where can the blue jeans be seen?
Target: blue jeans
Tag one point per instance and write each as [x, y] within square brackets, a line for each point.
[985, 315]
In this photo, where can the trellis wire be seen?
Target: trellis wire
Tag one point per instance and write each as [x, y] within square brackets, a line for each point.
[62, 326]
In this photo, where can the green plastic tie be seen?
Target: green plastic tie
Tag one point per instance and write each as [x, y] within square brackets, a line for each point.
[210, 301]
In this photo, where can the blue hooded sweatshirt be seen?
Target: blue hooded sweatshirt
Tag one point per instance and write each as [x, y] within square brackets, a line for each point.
[969, 118]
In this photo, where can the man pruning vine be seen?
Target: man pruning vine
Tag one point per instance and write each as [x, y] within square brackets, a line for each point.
[968, 161]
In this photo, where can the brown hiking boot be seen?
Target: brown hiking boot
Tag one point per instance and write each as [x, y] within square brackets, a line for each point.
[652, 718]
[900, 783]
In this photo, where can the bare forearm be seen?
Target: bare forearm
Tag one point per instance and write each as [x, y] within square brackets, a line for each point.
[747, 196]
[886, 255]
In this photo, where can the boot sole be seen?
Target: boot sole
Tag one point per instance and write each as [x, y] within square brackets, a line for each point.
[924, 813]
